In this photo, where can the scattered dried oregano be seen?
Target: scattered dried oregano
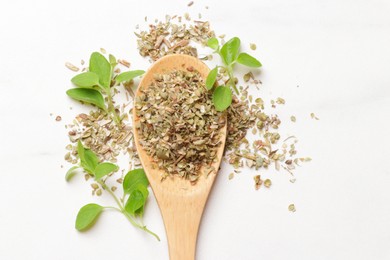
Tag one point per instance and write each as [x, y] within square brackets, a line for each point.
[258, 181]
[98, 132]
[313, 116]
[293, 119]
[291, 208]
[267, 183]
[179, 124]
[171, 37]
[71, 67]
[244, 114]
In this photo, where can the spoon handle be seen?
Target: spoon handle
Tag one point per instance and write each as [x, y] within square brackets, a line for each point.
[182, 215]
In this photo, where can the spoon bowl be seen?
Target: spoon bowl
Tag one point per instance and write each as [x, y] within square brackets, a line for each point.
[181, 203]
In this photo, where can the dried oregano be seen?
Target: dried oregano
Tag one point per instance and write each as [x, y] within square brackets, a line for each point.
[195, 136]
[171, 37]
[186, 136]
[244, 114]
[178, 124]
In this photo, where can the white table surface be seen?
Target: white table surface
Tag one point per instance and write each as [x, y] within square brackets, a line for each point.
[337, 52]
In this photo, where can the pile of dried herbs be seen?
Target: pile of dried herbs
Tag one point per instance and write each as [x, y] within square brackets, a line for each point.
[181, 134]
[245, 116]
[178, 124]
[98, 132]
[169, 37]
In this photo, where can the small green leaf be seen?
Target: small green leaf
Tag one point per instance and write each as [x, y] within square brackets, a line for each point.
[248, 60]
[145, 193]
[80, 150]
[87, 216]
[222, 98]
[71, 172]
[88, 159]
[99, 64]
[129, 75]
[90, 96]
[105, 168]
[211, 78]
[136, 201]
[112, 60]
[213, 43]
[230, 49]
[91, 161]
[133, 179]
[86, 79]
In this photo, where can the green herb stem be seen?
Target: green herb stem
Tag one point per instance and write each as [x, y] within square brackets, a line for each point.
[109, 207]
[144, 228]
[123, 211]
[229, 69]
[231, 81]
[111, 109]
[111, 193]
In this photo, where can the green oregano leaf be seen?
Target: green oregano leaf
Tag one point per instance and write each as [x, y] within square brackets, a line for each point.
[88, 159]
[248, 60]
[145, 193]
[129, 75]
[71, 172]
[222, 98]
[80, 151]
[103, 169]
[133, 179]
[91, 160]
[229, 51]
[136, 202]
[99, 65]
[87, 216]
[87, 95]
[213, 43]
[112, 60]
[211, 78]
[86, 79]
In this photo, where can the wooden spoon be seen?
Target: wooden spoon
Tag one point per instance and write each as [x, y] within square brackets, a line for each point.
[181, 203]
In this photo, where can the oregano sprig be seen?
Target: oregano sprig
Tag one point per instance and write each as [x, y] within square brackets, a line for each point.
[92, 86]
[230, 55]
[135, 191]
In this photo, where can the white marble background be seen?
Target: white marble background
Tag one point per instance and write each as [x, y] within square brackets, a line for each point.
[336, 51]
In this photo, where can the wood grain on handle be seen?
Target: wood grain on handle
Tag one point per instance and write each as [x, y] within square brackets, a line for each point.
[182, 213]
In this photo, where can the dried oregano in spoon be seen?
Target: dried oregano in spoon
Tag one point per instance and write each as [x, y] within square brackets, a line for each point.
[179, 126]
